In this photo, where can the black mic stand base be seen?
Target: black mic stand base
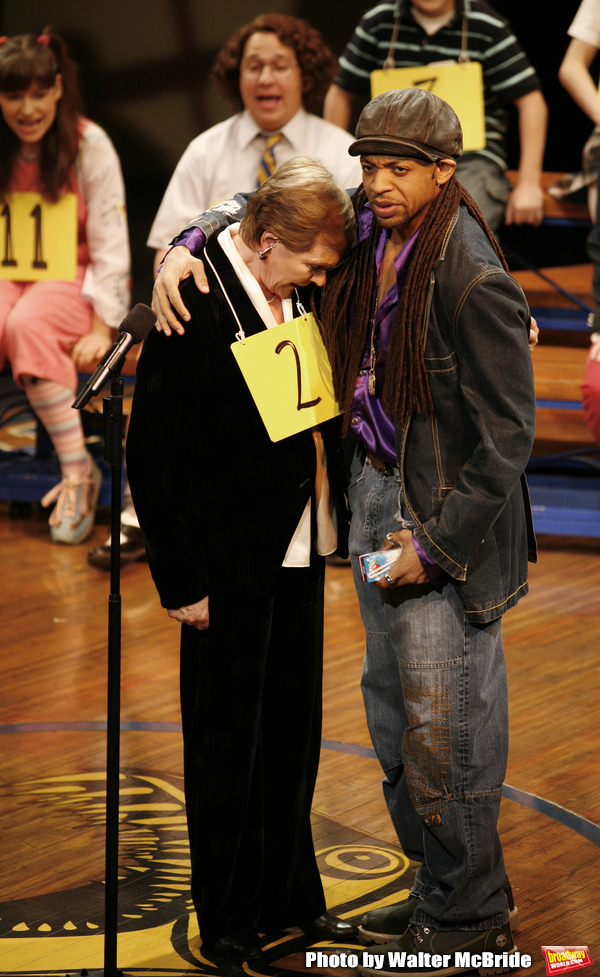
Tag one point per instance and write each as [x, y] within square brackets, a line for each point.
[101, 973]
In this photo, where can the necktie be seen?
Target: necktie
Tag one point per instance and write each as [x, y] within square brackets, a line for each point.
[267, 165]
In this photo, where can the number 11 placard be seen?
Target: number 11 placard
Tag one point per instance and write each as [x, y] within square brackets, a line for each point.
[38, 239]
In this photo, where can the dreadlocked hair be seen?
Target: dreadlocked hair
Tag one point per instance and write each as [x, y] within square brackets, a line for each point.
[352, 284]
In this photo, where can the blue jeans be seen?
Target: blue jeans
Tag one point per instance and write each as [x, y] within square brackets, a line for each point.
[435, 693]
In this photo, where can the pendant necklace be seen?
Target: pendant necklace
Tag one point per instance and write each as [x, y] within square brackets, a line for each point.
[371, 383]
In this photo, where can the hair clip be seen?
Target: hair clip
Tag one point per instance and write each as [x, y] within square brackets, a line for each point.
[3, 39]
[43, 39]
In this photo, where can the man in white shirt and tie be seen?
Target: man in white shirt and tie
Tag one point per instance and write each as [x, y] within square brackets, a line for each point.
[276, 70]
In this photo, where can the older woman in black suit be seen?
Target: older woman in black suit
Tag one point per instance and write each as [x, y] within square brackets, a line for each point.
[237, 555]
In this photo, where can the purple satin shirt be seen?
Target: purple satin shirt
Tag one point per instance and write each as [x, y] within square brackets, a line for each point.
[192, 238]
[369, 422]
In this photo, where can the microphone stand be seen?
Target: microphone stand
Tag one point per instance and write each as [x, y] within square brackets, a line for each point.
[113, 455]
[133, 329]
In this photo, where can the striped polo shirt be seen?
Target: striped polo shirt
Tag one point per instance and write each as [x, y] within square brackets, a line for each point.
[507, 71]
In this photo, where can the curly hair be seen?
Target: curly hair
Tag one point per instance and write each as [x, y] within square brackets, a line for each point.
[24, 60]
[317, 63]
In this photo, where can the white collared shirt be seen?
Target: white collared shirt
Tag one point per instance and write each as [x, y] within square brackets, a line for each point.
[223, 161]
[298, 552]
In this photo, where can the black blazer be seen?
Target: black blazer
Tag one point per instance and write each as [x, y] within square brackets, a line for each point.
[218, 502]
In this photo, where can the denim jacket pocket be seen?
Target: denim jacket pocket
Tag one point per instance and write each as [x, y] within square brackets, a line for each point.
[446, 362]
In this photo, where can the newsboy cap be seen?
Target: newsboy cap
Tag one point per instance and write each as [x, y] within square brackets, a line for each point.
[408, 122]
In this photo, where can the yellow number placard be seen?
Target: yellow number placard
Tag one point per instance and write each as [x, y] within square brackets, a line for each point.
[459, 84]
[288, 374]
[38, 239]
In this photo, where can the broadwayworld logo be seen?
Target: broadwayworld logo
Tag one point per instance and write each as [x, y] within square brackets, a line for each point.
[559, 959]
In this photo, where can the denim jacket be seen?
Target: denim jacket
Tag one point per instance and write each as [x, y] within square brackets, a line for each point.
[462, 468]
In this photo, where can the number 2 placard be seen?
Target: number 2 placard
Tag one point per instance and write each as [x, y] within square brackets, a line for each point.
[288, 373]
[38, 239]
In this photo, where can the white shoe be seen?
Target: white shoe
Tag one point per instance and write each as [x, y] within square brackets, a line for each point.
[76, 497]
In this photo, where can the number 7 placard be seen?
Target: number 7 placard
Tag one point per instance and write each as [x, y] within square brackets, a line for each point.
[288, 373]
[461, 85]
[38, 238]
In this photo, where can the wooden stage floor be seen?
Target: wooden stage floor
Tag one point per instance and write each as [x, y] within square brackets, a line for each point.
[52, 768]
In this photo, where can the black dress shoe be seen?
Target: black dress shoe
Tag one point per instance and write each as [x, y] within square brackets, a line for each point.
[327, 927]
[243, 945]
[132, 549]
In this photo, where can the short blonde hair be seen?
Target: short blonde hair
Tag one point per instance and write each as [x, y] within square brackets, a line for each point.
[300, 201]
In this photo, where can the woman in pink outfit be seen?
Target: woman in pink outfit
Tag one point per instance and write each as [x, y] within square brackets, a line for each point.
[52, 328]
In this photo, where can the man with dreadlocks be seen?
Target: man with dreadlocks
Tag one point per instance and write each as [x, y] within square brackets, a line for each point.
[428, 339]
[427, 335]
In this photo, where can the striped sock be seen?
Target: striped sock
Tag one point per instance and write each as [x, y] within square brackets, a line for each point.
[52, 404]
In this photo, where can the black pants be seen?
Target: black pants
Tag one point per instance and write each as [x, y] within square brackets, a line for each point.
[251, 700]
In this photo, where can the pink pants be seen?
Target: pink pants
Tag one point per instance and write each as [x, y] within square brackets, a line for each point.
[39, 324]
[590, 395]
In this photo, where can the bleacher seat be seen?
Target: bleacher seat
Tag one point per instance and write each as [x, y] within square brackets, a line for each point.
[31, 469]
[564, 470]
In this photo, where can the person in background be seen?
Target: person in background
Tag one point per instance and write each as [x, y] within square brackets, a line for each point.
[430, 31]
[51, 329]
[274, 71]
[239, 560]
[574, 74]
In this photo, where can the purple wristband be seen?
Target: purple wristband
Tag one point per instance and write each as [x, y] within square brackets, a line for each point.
[192, 238]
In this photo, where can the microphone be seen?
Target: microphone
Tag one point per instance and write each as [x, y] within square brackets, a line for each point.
[135, 327]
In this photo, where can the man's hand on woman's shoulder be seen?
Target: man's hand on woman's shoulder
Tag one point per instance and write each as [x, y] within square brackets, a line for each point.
[178, 265]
